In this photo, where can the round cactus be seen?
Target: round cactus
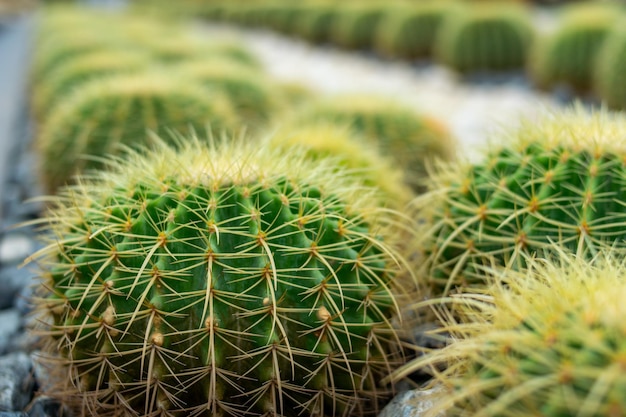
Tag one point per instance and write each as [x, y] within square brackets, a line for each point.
[120, 110]
[551, 343]
[410, 31]
[221, 280]
[567, 56]
[560, 180]
[355, 26]
[608, 75]
[253, 96]
[316, 25]
[484, 37]
[409, 138]
[322, 140]
[67, 77]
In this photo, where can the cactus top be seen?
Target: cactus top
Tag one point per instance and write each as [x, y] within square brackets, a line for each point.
[229, 279]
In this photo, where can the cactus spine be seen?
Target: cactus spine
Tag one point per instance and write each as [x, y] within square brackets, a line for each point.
[222, 280]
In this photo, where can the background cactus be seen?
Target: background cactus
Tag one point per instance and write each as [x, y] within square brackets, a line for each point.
[611, 67]
[120, 110]
[253, 96]
[550, 343]
[484, 37]
[398, 132]
[322, 140]
[410, 31]
[355, 25]
[316, 24]
[222, 280]
[559, 180]
[68, 77]
[567, 56]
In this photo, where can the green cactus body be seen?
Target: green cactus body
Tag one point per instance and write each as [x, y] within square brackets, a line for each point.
[567, 56]
[316, 25]
[553, 343]
[561, 180]
[484, 38]
[120, 110]
[608, 76]
[254, 98]
[410, 31]
[400, 133]
[65, 79]
[226, 280]
[355, 26]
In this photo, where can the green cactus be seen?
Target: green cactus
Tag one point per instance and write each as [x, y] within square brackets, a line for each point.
[409, 32]
[120, 110]
[355, 26]
[559, 180]
[608, 75]
[484, 37]
[323, 140]
[400, 133]
[316, 25]
[221, 280]
[567, 56]
[67, 77]
[253, 96]
[550, 342]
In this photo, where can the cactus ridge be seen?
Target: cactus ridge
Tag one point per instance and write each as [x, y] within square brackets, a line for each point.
[560, 181]
[221, 281]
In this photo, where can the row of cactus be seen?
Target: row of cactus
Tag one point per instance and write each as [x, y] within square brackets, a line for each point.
[483, 37]
[127, 76]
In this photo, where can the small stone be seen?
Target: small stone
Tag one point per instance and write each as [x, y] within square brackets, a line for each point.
[10, 323]
[16, 381]
[13, 281]
[415, 403]
[15, 247]
[44, 406]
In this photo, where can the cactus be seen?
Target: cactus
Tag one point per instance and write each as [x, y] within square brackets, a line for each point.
[355, 26]
[559, 180]
[322, 140]
[550, 343]
[610, 68]
[400, 133]
[410, 31]
[316, 25]
[224, 279]
[567, 56]
[484, 37]
[65, 79]
[254, 98]
[119, 110]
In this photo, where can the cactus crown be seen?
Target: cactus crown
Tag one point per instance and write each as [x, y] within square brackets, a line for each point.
[222, 280]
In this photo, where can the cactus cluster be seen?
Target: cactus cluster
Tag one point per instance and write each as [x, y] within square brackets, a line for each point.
[559, 180]
[546, 341]
[222, 279]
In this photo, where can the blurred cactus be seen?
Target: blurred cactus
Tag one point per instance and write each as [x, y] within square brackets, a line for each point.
[485, 37]
[410, 31]
[355, 26]
[611, 67]
[400, 133]
[316, 25]
[121, 110]
[567, 56]
[222, 280]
